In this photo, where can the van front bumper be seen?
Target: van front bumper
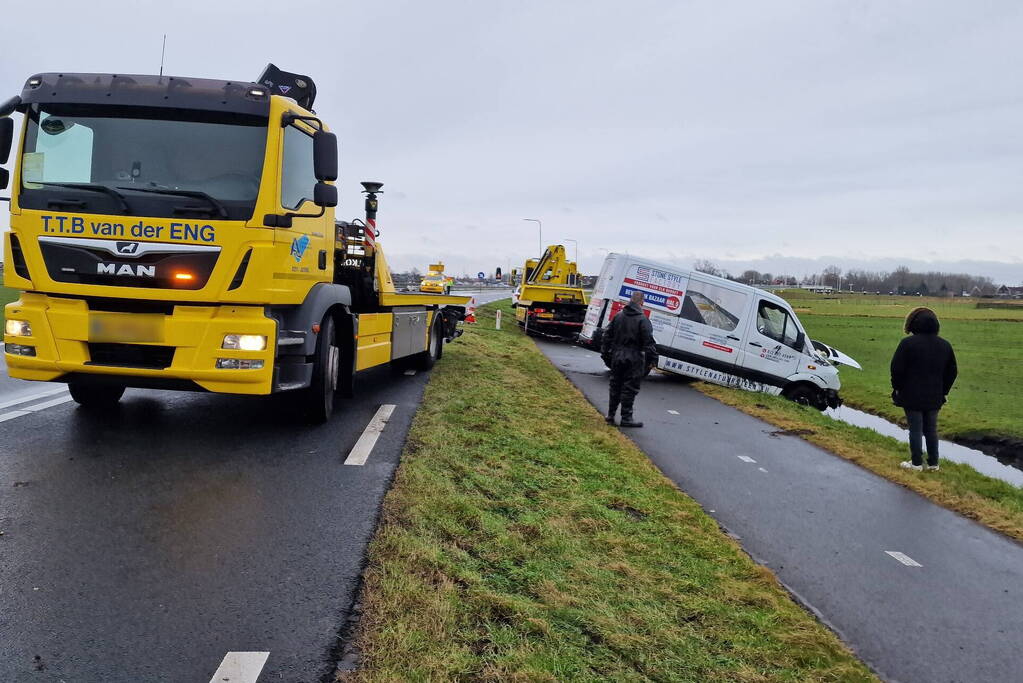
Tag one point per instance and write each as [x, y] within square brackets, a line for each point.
[138, 349]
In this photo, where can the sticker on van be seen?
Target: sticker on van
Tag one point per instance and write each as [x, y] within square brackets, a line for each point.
[661, 289]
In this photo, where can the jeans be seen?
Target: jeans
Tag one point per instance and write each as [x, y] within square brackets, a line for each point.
[923, 423]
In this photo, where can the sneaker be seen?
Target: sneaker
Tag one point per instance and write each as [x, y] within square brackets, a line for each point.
[908, 465]
[610, 419]
[933, 468]
[629, 422]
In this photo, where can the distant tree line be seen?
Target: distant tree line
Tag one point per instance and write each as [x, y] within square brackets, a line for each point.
[902, 280]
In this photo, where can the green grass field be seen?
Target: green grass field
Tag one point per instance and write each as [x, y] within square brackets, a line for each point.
[6, 296]
[525, 540]
[988, 345]
[847, 305]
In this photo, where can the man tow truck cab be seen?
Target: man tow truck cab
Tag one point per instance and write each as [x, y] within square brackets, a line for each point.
[435, 281]
[720, 331]
[550, 301]
[179, 233]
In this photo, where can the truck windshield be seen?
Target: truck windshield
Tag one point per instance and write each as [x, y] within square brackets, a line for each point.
[178, 160]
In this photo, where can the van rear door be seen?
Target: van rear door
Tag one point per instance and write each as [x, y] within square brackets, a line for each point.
[769, 353]
[711, 321]
[596, 317]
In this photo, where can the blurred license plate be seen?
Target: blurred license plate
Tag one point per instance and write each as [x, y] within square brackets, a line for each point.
[135, 328]
[544, 315]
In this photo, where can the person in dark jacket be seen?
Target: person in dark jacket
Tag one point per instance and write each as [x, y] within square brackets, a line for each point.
[628, 349]
[923, 370]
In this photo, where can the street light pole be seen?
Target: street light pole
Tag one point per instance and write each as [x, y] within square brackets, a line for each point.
[576, 244]
[540, 226]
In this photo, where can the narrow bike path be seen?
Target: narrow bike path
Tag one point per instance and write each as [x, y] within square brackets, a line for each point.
[845, 541]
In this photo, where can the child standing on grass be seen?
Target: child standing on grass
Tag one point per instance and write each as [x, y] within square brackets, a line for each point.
[923, 370]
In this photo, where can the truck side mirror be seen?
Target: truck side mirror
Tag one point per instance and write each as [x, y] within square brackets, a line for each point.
[324, 194]
[6, 139]
[325, 157]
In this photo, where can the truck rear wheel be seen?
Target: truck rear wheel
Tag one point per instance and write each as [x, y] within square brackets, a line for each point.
[319, 396]
[426, 359]
[89, 395]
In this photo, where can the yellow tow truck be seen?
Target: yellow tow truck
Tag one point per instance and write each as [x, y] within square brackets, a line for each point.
[549, 301]
[435, 282]
[179, 233]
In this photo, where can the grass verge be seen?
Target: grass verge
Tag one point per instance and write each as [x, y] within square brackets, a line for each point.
[6, 297]
[523, 539]
[992, 502]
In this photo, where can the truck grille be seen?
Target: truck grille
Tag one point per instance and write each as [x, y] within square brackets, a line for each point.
[120, 263]
[131, 355]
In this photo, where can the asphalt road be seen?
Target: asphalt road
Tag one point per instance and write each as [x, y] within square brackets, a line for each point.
[833, 533]
[148, 543]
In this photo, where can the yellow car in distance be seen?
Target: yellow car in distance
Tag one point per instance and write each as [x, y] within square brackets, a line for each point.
[435, 282]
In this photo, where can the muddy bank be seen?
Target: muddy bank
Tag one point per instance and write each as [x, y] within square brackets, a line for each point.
[1006, 450]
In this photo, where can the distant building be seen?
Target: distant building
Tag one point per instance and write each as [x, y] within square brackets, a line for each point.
[818, 289]
[1006, 292]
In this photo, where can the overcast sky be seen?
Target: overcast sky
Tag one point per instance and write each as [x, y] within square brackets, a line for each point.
[844, 132]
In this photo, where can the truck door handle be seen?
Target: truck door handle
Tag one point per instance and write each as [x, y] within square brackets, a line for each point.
[756, 344]
[733, 337]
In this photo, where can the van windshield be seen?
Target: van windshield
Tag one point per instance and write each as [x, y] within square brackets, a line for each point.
[161, 161]
[774, 321]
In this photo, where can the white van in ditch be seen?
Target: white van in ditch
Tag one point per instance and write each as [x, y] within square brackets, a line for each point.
[717, 330]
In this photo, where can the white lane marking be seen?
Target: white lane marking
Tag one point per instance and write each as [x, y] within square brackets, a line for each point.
[673, 412]
[762, 469]
[48, 404]
[410, 372]
[903, 558]
[745, 458]
[240, 667]
[4, 417]
[32, 397]
[364, 446]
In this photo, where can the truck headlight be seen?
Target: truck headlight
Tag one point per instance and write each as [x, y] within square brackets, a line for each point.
[244, 342]
[18, 328]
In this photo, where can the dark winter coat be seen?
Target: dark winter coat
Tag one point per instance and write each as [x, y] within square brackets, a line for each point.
[629, 340]
[924, 365]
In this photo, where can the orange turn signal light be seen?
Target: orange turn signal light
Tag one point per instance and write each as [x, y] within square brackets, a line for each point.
[184, 276]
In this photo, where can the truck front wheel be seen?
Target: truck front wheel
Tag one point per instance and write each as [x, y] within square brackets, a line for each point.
[90, 395]
[319, 396]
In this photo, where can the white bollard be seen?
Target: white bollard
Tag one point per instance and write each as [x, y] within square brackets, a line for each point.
[497, 319]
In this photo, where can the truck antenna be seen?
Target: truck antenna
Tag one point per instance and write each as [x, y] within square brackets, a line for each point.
[163, 51]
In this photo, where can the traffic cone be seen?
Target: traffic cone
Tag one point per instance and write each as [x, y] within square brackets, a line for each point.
[470, 314]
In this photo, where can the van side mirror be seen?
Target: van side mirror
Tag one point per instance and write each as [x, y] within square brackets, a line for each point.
[5, 177]
[324, 194]
[325, 156]
[6, 139]
[800, 341]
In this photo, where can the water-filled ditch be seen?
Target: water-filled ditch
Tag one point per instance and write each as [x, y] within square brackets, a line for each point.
[978, 460]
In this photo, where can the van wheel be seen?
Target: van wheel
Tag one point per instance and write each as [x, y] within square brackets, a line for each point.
[426, 359]
[319, 396]
[807, 396]
[90, 395]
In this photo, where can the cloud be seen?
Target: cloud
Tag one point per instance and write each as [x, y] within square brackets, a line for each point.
[872, 131]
